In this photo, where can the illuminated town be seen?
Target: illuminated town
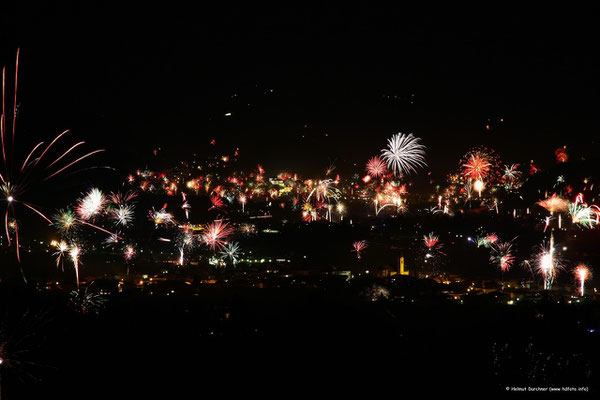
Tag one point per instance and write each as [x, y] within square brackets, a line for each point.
[160, 259]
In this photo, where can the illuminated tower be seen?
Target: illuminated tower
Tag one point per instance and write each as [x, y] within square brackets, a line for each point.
[402, 270]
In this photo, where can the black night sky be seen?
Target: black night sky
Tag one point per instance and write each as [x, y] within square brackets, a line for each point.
[166, 264]
[134, 79]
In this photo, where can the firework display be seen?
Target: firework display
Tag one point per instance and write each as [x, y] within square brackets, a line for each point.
[482, 183]
[41, 164]
[185, 194]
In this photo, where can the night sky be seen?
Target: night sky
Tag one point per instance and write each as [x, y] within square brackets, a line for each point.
[295, 89]
[322, 83]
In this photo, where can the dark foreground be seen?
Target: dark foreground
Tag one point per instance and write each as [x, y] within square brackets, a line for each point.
[289, 341]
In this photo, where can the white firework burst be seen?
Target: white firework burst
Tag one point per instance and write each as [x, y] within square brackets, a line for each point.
[92, 204]
[123, 215]
[404, 153]
[231, 251]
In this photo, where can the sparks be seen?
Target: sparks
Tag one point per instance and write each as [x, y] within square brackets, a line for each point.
[74, 253]
[582, 273]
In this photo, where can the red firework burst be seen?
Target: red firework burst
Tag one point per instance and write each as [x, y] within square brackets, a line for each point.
[476, 167]
[217, 202]
[376, 167]
[359, 247]
[481, 163]
[216, 234]
[431, 241]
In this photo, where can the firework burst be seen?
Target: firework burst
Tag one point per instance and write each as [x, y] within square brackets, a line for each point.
[584, 215]
[487, 240]
[511, 176]
[477, 167]
[232, 252]
[404, 154]
[185, 240]
[123, 214]
[216, 234]
[554, 203]
[242, 199]
[129, 253]
[18, 178]
[217, 202]
[480, 167]
[86, 301]
[359, 248]
[61, 249]
[376, 167]
[501, 255]
[91, 205]
[162, 217]
[66, 221]
[433, 243]
[547, 262]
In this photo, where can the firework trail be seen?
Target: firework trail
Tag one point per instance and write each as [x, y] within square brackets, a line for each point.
[324, 190]
[547, 263]
[61, 249]
[74, 253]
[185, 240]
[582, 273]
[17, 179]
[404, 154]
[186, 206]
[242, 200]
